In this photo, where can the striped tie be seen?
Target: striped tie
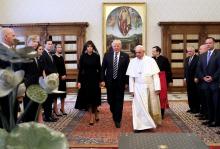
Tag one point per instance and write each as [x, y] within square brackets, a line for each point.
[115, 66]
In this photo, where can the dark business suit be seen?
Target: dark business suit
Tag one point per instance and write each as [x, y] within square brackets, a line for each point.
[189, 75]
[115, 87]
[211, 88]
[4, 101]
[49, 67]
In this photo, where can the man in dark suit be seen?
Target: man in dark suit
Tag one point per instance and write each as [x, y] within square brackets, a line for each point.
[114, 67]
[7, 36]
[190, 66]
[48, 67]
[209, 73]
[203, 115]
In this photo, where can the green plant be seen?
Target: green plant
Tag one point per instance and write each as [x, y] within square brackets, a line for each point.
[26, 135]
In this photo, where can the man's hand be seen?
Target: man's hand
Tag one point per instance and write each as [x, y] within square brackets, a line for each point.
[78, 85]
[170, 84]
[63, 77]
[102, 84]
[157, 92]
[196, 80]
[207, 79]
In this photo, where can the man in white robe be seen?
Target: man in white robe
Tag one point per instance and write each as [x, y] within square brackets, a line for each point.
[144, 84]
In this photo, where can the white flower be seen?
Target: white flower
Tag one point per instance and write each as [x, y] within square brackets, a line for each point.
[50, 83]
[21, 90]
[9, 80]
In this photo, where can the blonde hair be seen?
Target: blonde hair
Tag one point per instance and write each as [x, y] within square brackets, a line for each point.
[32, 38]
[116, 41]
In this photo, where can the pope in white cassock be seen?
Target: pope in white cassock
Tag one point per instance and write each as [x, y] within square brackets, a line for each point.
[144, 84]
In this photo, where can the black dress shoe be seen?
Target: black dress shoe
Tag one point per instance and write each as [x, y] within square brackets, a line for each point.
[117, 124]
[199, 115]
[91, 123]
[213, 124]
[64, 113]
[57, 114]
[202, 118]
[206, 123]
[194, 111]
[189, 111]
[50, 119]
[138, 131]
[55, 118]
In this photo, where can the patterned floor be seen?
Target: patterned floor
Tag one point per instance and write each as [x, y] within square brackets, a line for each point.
[207, 134]
[191, 123]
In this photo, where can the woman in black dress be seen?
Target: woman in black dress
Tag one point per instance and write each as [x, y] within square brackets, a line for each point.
[33, 71]
[60, 65]
[89, 94]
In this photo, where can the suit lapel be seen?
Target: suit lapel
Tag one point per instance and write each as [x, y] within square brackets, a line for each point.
[120, 60]
[111, 58]
[193, 60]
[48, 57]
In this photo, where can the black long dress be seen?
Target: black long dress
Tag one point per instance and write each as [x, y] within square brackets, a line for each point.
[33, 71]
[60, 65]
[89, 76]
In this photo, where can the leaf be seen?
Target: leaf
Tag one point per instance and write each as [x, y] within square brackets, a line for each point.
[9, 80]
[3, 135]
[36, 93]
[35, 136]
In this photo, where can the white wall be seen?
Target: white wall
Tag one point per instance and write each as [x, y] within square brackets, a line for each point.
[48, 11]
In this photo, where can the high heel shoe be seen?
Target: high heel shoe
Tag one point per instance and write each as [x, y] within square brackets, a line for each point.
[57, 114]
[91, 123]
[64, 113]
[96, 119]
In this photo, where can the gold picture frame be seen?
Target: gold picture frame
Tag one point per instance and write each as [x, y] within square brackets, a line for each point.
[124, 21]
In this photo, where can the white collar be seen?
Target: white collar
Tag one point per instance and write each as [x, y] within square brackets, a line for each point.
[6, 45]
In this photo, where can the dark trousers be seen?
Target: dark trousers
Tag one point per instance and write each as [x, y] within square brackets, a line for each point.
[192, 96]
[203, 102]
[212, 99]
[5, 112]
[115, 95]
[31, 112]
[47, 106]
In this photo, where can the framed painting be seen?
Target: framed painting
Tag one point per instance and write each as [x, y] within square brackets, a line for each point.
[126, 22]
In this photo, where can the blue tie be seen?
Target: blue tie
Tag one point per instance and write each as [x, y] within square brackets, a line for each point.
[208, 57]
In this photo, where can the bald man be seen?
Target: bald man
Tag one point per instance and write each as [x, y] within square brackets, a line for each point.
[7, 36]
[203, 114]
